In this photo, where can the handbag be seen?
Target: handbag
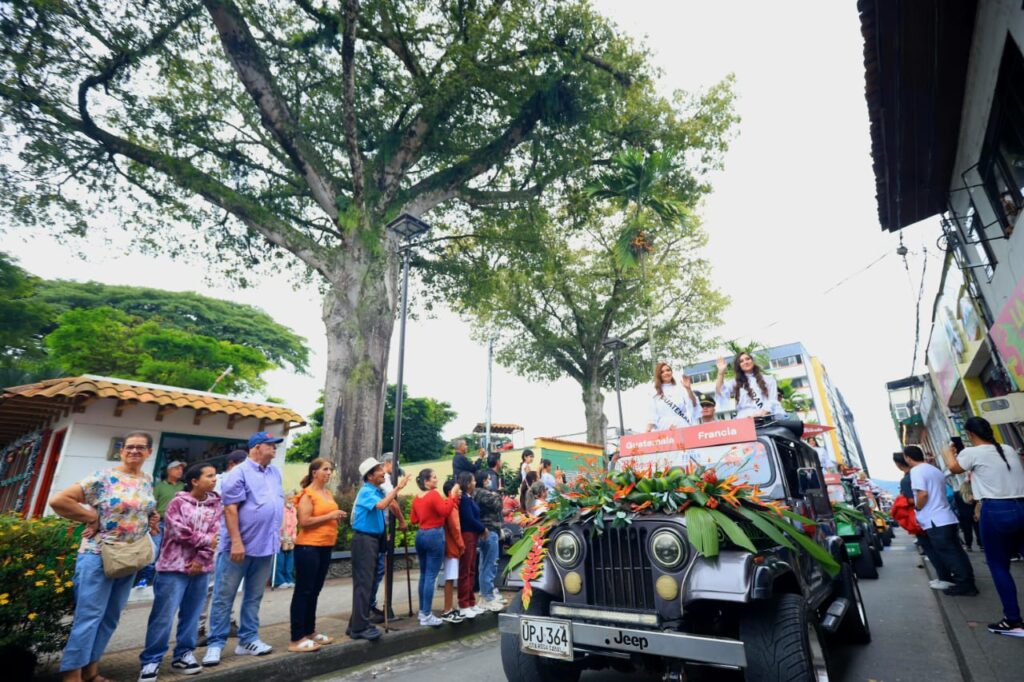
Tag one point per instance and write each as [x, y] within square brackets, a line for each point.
[966, 492]
[122, 559]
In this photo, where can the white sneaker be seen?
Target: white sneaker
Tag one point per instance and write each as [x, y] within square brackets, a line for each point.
[212, 656]
[498, 597]
[254, 648]
[939, 584]
[149, 672]
[491, 605]
[430, 620]
[187, 664]
[469, 612]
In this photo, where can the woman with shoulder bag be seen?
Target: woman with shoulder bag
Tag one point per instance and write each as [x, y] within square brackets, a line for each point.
[997, 480]
[119, 510]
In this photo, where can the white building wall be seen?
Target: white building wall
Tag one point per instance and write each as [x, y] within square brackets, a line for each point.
[90, 433]
[997, 21]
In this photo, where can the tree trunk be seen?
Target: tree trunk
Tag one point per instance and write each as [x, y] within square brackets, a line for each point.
[593, 407]
[359, 314]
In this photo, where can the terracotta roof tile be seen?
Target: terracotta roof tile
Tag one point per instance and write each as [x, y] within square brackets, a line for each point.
[70, 388]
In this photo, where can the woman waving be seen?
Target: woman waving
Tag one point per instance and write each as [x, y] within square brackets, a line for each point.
[673, 405]
[755, 393]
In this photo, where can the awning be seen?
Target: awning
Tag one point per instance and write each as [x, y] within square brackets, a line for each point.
[915, 62]
[25, 408]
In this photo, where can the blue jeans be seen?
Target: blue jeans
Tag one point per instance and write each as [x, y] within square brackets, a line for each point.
[488, 550]
[174, 592]
[1002, 531]
[148, 573]
[284, 573]
[430, 551]
[99, 601]
[256, 571]
[377, 578]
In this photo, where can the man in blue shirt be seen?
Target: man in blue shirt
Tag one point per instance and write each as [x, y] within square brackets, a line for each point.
[367, 539]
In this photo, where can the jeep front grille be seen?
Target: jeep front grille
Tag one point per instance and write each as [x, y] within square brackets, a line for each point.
[618, 571]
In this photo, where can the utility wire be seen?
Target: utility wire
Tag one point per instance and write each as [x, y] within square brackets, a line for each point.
[917, 311]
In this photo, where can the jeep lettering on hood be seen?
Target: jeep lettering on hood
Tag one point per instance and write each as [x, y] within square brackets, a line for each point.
[633, 641]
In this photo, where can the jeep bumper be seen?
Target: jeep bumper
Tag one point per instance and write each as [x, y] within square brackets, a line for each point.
[590, 638]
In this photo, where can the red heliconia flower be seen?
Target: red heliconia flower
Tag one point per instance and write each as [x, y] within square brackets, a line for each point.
[710, 477]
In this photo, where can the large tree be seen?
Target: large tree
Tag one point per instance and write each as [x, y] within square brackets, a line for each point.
[554, 296]
[305, 126]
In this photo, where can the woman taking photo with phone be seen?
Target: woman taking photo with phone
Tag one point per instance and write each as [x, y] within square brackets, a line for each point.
[997, 480]
[673, 405]
[755, 393]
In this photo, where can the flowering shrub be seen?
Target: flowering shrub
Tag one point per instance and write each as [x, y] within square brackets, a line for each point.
[37, 564]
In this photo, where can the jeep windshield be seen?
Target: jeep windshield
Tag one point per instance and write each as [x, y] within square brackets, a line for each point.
[749, 462]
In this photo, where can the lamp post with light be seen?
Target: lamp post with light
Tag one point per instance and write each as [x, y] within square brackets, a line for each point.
[615, 344]
[406, 227]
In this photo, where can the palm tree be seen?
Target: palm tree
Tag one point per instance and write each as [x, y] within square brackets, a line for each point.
[640, 185]
[792, 401]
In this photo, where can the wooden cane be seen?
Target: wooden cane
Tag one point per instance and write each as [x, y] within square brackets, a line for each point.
[408, 580]
[387, 595]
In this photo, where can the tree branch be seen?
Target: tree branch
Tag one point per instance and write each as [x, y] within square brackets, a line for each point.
[348, 84]
[252, 69]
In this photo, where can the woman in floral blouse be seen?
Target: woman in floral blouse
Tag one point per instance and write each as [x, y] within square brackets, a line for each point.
[114, 504]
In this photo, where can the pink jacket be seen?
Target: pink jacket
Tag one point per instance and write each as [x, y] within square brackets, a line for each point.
[190, 527]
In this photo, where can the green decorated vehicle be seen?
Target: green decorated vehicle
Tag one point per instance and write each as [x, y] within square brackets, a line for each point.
[708, 548]
[855, 524]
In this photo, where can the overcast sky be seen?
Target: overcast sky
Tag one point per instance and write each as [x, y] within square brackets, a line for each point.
[792, 215]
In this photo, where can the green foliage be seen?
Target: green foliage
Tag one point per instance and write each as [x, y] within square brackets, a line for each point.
[185, 311]
[846, 514]
[24, 317]
[423, 420]
[305, 446]
[792, 401]
[112, 343]
[37, 565]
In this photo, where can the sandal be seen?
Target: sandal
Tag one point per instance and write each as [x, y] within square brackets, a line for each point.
[304, 647]
[320, 638]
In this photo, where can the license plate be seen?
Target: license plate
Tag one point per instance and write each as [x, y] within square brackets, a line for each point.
[546, 637]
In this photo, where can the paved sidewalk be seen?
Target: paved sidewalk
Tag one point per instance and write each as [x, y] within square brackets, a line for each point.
[121, 661]
[984, 656]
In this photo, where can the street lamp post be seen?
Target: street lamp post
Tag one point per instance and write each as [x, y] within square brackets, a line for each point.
[406, 227]
[615, 345]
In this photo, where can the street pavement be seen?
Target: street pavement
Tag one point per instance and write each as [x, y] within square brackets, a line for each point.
[909, 640]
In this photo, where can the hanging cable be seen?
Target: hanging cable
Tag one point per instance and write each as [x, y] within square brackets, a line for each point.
[917, 310]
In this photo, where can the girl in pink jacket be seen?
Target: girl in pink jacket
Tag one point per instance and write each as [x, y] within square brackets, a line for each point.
[183, 571]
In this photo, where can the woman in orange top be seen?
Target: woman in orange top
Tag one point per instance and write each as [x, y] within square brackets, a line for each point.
[429, 511]
[318, 531]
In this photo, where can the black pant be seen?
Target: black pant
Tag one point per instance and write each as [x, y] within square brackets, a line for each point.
[941, 570]
[311, 564]
[946, 544]
[365, 549]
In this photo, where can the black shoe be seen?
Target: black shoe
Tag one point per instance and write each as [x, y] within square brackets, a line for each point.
[376, 616]
[1014, 628]
[962, 591]
[371, 633]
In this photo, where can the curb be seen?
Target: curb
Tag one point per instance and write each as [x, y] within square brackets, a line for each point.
[349, 654]
[958, 651]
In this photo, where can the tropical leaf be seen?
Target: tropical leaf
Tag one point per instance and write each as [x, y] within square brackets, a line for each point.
[758, 518]
[519, 551]
[817, 552]
[702, 531]
[732, 530]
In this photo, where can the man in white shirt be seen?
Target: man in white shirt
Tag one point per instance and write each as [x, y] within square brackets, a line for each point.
[937, 518]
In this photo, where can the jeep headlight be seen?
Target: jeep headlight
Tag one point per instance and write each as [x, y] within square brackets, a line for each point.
[567, 549]
[667, 549]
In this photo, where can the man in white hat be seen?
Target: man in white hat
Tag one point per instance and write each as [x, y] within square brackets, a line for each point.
[367, 539]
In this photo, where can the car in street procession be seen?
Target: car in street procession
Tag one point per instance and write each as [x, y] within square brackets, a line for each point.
[640, 597]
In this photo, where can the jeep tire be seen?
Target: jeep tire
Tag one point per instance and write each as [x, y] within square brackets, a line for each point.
[854, 629]
[522, 667]
[864, 565]
[783, 642]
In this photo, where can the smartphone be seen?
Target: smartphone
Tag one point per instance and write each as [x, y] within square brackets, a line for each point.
[958, 443]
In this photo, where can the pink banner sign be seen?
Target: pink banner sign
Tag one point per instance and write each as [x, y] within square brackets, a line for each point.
[1008, 333]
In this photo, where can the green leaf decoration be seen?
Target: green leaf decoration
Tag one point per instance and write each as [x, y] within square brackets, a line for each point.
[817, 552]
[519, 551]
[848, 513]
[796, 517]
[702, 531]
[766, 526]
[732, 530]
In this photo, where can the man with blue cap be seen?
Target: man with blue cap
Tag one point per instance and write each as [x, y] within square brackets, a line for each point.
[253, 502]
